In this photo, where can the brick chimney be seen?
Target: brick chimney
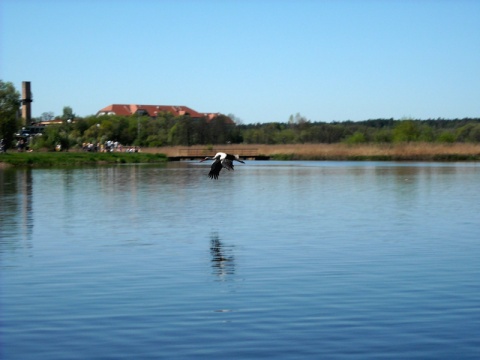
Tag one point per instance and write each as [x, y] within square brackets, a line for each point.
[26, 103]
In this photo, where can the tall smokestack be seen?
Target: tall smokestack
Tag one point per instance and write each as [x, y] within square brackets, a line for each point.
[26, 103]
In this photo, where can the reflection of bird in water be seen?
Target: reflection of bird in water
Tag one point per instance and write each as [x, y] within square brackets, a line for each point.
[222, 262]
[222, 160]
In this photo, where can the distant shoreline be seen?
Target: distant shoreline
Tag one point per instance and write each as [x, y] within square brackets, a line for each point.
[334, 152]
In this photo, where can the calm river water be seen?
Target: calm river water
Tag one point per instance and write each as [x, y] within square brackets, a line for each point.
[280, 260]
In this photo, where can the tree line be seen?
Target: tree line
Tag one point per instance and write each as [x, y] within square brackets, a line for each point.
[300, 130]
[143, 131]
[168, 130]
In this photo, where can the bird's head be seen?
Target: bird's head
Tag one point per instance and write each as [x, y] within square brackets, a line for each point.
[238, 159]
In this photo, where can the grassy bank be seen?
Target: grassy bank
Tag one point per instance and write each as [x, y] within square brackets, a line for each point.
[382, 152]
[51, 159]
[414, 151]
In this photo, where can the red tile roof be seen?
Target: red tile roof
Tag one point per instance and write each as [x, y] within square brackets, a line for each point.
[153, 110]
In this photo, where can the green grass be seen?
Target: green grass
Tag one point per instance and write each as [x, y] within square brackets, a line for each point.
[50, 159]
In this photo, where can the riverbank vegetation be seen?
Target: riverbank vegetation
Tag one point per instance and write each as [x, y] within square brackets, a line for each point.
[166, 130]
[52, 159]
[299, 130]
[73, 133]
[415, 151]
[412, 151]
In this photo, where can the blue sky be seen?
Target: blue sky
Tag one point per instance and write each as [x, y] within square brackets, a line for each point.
[261, 60]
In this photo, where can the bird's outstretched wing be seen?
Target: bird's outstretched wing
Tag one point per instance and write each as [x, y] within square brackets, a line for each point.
[227, 164]
[215, 170]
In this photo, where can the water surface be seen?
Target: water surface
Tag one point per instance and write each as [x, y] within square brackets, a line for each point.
[275, 260]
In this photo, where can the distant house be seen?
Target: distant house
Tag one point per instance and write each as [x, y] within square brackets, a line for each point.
[56, 121]
[154, 110]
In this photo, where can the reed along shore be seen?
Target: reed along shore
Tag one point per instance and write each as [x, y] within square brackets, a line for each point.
[414, 151]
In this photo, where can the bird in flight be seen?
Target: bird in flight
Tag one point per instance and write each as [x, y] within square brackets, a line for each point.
[221, 160]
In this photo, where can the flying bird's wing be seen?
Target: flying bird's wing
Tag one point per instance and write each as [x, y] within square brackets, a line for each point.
[227, 164]
[215, 170]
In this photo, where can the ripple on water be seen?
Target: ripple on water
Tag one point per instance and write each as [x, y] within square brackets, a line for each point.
[302, 260]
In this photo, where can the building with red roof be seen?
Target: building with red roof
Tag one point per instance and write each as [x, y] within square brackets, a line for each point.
[154, 110]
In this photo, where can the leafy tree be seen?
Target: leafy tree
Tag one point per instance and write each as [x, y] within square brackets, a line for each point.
[446, 137]
[172, 135]
[51, 137]
[468, 133]
[68, 113]
[325, 133]
[184, 131]
[426, 133]
[356, 138]
[475, 134]
[9, 106]
[80, 125]
[92, 134]
[235, 119]
[201, 134]
[47, 116]
[285, 136]
[383, 136]
[219, 130]
[406, 130]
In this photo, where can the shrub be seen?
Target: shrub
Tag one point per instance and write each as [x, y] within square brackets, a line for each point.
[446, 137]
[356, 138]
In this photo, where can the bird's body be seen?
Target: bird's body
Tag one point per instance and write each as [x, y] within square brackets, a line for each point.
[221, 160]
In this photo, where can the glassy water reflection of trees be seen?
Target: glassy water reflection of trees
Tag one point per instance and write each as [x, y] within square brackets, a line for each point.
[15, 208]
